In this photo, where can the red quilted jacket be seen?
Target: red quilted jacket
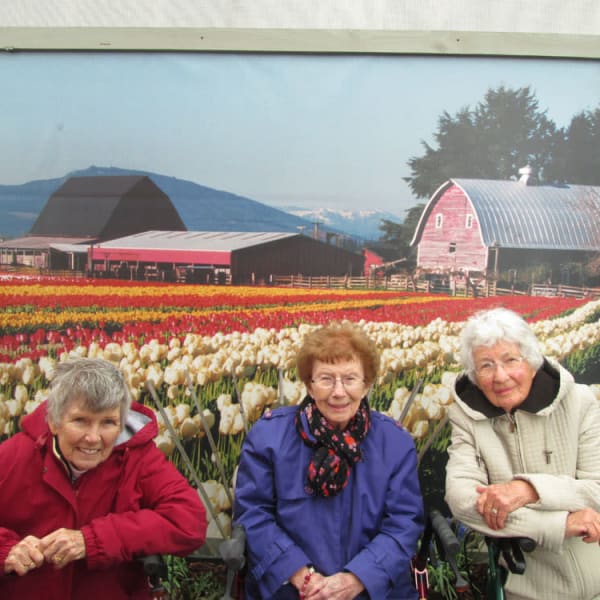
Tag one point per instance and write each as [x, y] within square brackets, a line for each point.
[134, 503]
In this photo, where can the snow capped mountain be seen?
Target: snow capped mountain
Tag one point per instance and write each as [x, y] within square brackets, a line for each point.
[362, 223]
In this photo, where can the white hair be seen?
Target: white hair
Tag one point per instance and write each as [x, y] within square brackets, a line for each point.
[488, 327]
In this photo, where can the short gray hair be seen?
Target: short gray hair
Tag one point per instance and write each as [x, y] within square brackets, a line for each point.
[488, 327]
[95, 382]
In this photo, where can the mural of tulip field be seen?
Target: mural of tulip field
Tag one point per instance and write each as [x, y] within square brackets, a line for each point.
[223, 355]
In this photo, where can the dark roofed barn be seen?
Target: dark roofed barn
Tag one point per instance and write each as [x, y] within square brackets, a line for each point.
[87, 210]
[103, 208]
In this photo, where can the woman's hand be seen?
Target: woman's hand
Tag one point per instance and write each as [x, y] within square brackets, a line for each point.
[585, 524]
[498, 500]
[63, 546]
[339, 586]
[301, 578]
[24, 556]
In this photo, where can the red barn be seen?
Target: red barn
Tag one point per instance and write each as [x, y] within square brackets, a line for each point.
[490, 225]
[372, 261]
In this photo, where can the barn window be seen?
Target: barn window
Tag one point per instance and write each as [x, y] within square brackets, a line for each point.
[438, 221]
[469, 222]
[452, 247]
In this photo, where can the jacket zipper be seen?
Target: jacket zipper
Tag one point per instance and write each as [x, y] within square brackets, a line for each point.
[513, 422]
[514, 429]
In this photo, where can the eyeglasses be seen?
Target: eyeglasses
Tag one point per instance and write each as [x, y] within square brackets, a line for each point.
[488, 368]
[350, 382]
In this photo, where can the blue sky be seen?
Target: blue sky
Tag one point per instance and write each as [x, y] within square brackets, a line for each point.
[312, 131]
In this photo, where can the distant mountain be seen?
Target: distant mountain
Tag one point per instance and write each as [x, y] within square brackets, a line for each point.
[200, 207]
[361, 223]
[21, 204]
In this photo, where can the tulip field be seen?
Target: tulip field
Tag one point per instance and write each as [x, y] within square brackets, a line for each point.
[231, 350]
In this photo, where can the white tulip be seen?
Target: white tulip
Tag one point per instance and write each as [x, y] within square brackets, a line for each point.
[173, 353]
[189, 428]
[4, 412]
[228, 424]
[15, 407]
[223, 400]
[213, 531]
[47, 366]
[29, 375]
[30, 406]
[182, 411]
[113, 352]
[21, 394]
[419, 429]
[173, 392]
[155, 375]
[165, 443]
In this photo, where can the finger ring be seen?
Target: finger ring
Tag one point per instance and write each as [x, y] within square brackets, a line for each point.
[494, 511]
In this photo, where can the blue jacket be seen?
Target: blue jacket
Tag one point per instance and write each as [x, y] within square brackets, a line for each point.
[371, 528]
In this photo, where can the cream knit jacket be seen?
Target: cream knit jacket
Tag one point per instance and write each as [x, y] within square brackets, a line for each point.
[556, 449]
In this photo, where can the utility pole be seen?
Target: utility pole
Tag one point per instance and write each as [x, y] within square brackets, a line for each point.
[316, 229]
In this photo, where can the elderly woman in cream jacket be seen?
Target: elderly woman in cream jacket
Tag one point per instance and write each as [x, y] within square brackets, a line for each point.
[525, 457]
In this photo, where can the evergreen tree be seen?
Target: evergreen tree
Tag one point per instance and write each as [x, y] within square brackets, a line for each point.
[577, 155]
[505, 132]
[399, 235]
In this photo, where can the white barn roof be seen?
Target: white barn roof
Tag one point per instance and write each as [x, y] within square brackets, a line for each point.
[40, 242]
[195, 240]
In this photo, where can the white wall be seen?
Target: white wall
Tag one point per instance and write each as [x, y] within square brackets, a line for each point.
[533, 27]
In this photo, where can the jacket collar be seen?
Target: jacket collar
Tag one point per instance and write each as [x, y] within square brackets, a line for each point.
[72, 472]
[544, 389]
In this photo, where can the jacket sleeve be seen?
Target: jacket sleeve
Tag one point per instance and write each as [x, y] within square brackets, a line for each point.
[156, 511]
[563, 492]
[273, 555]
[465, 471]
[8, 539]
[10, 454]
[389, 553]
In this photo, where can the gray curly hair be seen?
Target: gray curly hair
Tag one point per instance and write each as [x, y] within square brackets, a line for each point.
[94, 381]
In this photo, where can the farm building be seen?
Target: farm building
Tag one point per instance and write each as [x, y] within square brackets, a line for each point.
[232, 257]
[45, 252]
[381, 261]
[489, 226]
[104, 208]
[87, 210]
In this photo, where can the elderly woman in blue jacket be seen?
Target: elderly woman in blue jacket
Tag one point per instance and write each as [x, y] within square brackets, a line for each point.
[328, 491]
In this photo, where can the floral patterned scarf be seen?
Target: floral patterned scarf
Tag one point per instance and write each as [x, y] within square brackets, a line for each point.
[335, 451]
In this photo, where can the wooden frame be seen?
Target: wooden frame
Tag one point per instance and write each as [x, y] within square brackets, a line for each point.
[300, 40]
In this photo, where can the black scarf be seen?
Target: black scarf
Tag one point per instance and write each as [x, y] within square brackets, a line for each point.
[335, 451]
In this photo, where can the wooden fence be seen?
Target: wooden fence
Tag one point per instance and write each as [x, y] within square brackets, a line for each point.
[405, 283]
[401, 283]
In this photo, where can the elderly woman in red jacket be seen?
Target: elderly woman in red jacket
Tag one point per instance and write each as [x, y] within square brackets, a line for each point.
[85, 491]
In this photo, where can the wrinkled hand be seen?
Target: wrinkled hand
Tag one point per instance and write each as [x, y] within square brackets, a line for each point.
[340, 586]
[498, 500]
[63, 546]
[24, 556]
[585, 524]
